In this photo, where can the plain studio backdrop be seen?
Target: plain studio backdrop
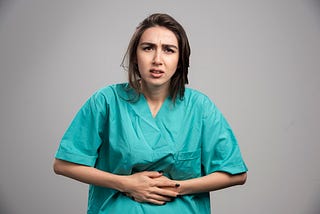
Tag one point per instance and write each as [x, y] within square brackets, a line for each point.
[259, 61]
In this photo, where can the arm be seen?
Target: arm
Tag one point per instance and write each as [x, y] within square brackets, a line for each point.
[211, 182]
[220, 155]
[141, 186]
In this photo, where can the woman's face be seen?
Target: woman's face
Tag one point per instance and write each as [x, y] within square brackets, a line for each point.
[157, 56]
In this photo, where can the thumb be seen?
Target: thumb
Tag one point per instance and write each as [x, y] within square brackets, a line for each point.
[153, 174]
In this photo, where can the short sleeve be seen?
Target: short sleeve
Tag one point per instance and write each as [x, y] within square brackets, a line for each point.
[82, 139]
[220, 148]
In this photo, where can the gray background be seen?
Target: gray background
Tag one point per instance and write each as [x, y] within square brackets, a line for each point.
[258, 60]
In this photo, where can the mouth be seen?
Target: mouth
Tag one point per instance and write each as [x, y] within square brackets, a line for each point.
[156, 71]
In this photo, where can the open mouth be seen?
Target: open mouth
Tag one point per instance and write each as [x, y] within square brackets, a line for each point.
[155, 71]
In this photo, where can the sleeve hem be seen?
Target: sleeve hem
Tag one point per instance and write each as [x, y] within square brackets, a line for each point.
[76, 158]
[233, 170]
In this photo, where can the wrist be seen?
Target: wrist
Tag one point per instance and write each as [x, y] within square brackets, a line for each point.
[121, 182]
[181, 188]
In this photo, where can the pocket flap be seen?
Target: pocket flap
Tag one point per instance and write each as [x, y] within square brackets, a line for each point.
[188, 155]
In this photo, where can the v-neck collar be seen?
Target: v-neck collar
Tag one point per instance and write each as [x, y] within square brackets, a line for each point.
[142, 109]
[162, 107]
[138, 103]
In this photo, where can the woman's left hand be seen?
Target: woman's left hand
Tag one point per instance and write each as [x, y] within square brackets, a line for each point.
[151, 187]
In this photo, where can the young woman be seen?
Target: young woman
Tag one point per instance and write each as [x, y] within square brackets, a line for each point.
[151, 145]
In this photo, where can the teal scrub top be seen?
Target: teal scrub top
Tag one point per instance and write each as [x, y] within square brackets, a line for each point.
[115, 131]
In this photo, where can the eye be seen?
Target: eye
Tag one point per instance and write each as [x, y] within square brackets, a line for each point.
[169, 50]
[147, 48]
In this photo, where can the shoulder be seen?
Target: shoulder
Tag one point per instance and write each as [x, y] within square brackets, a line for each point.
[197, 97]
[199, 102]
[113, 92]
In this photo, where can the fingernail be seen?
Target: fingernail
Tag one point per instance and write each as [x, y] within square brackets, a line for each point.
[177, 185]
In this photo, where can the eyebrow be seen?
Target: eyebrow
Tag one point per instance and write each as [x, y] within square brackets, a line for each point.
[153, 44]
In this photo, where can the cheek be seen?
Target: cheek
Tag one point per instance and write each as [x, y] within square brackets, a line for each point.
[142, 59]
[140, 62]
[175, 63]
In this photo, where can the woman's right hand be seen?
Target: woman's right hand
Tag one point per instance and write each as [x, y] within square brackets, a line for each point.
[150, 187]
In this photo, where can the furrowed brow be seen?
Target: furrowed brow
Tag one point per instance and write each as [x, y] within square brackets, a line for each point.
[170, 46]
[163, 45]
[147, 44]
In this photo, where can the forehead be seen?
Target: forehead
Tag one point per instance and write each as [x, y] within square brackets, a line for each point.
[159, 35]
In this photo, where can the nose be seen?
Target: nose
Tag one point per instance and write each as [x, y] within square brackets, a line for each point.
[157, 59]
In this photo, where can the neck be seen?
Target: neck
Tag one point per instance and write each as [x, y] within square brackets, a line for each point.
[155, 97]
[155, 94]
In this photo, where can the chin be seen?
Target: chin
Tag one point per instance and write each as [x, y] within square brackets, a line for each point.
[157, 83]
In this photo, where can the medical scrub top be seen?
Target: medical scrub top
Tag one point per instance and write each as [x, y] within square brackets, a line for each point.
[114, 131]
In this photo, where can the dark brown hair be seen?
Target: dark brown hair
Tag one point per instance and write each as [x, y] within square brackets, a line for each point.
[180, 78]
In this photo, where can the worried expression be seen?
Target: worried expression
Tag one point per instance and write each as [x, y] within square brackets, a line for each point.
[157, 56]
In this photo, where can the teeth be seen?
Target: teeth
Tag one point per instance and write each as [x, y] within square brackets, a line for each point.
[155, 71]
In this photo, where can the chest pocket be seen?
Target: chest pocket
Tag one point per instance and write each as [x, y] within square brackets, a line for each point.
[187, 165]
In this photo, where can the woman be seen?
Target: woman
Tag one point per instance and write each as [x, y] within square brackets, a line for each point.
[151, 145]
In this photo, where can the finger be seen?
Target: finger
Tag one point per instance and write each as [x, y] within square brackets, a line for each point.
[167, 183]
[157, 202]
[153, 174]
[152, 198]
[160, 198]
[169, 193]
[173, 189]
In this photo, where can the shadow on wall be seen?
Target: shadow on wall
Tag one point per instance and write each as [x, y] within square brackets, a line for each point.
[5, 206]
[3, 5]
[316, 4]
[317, 200]
[317, 208]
